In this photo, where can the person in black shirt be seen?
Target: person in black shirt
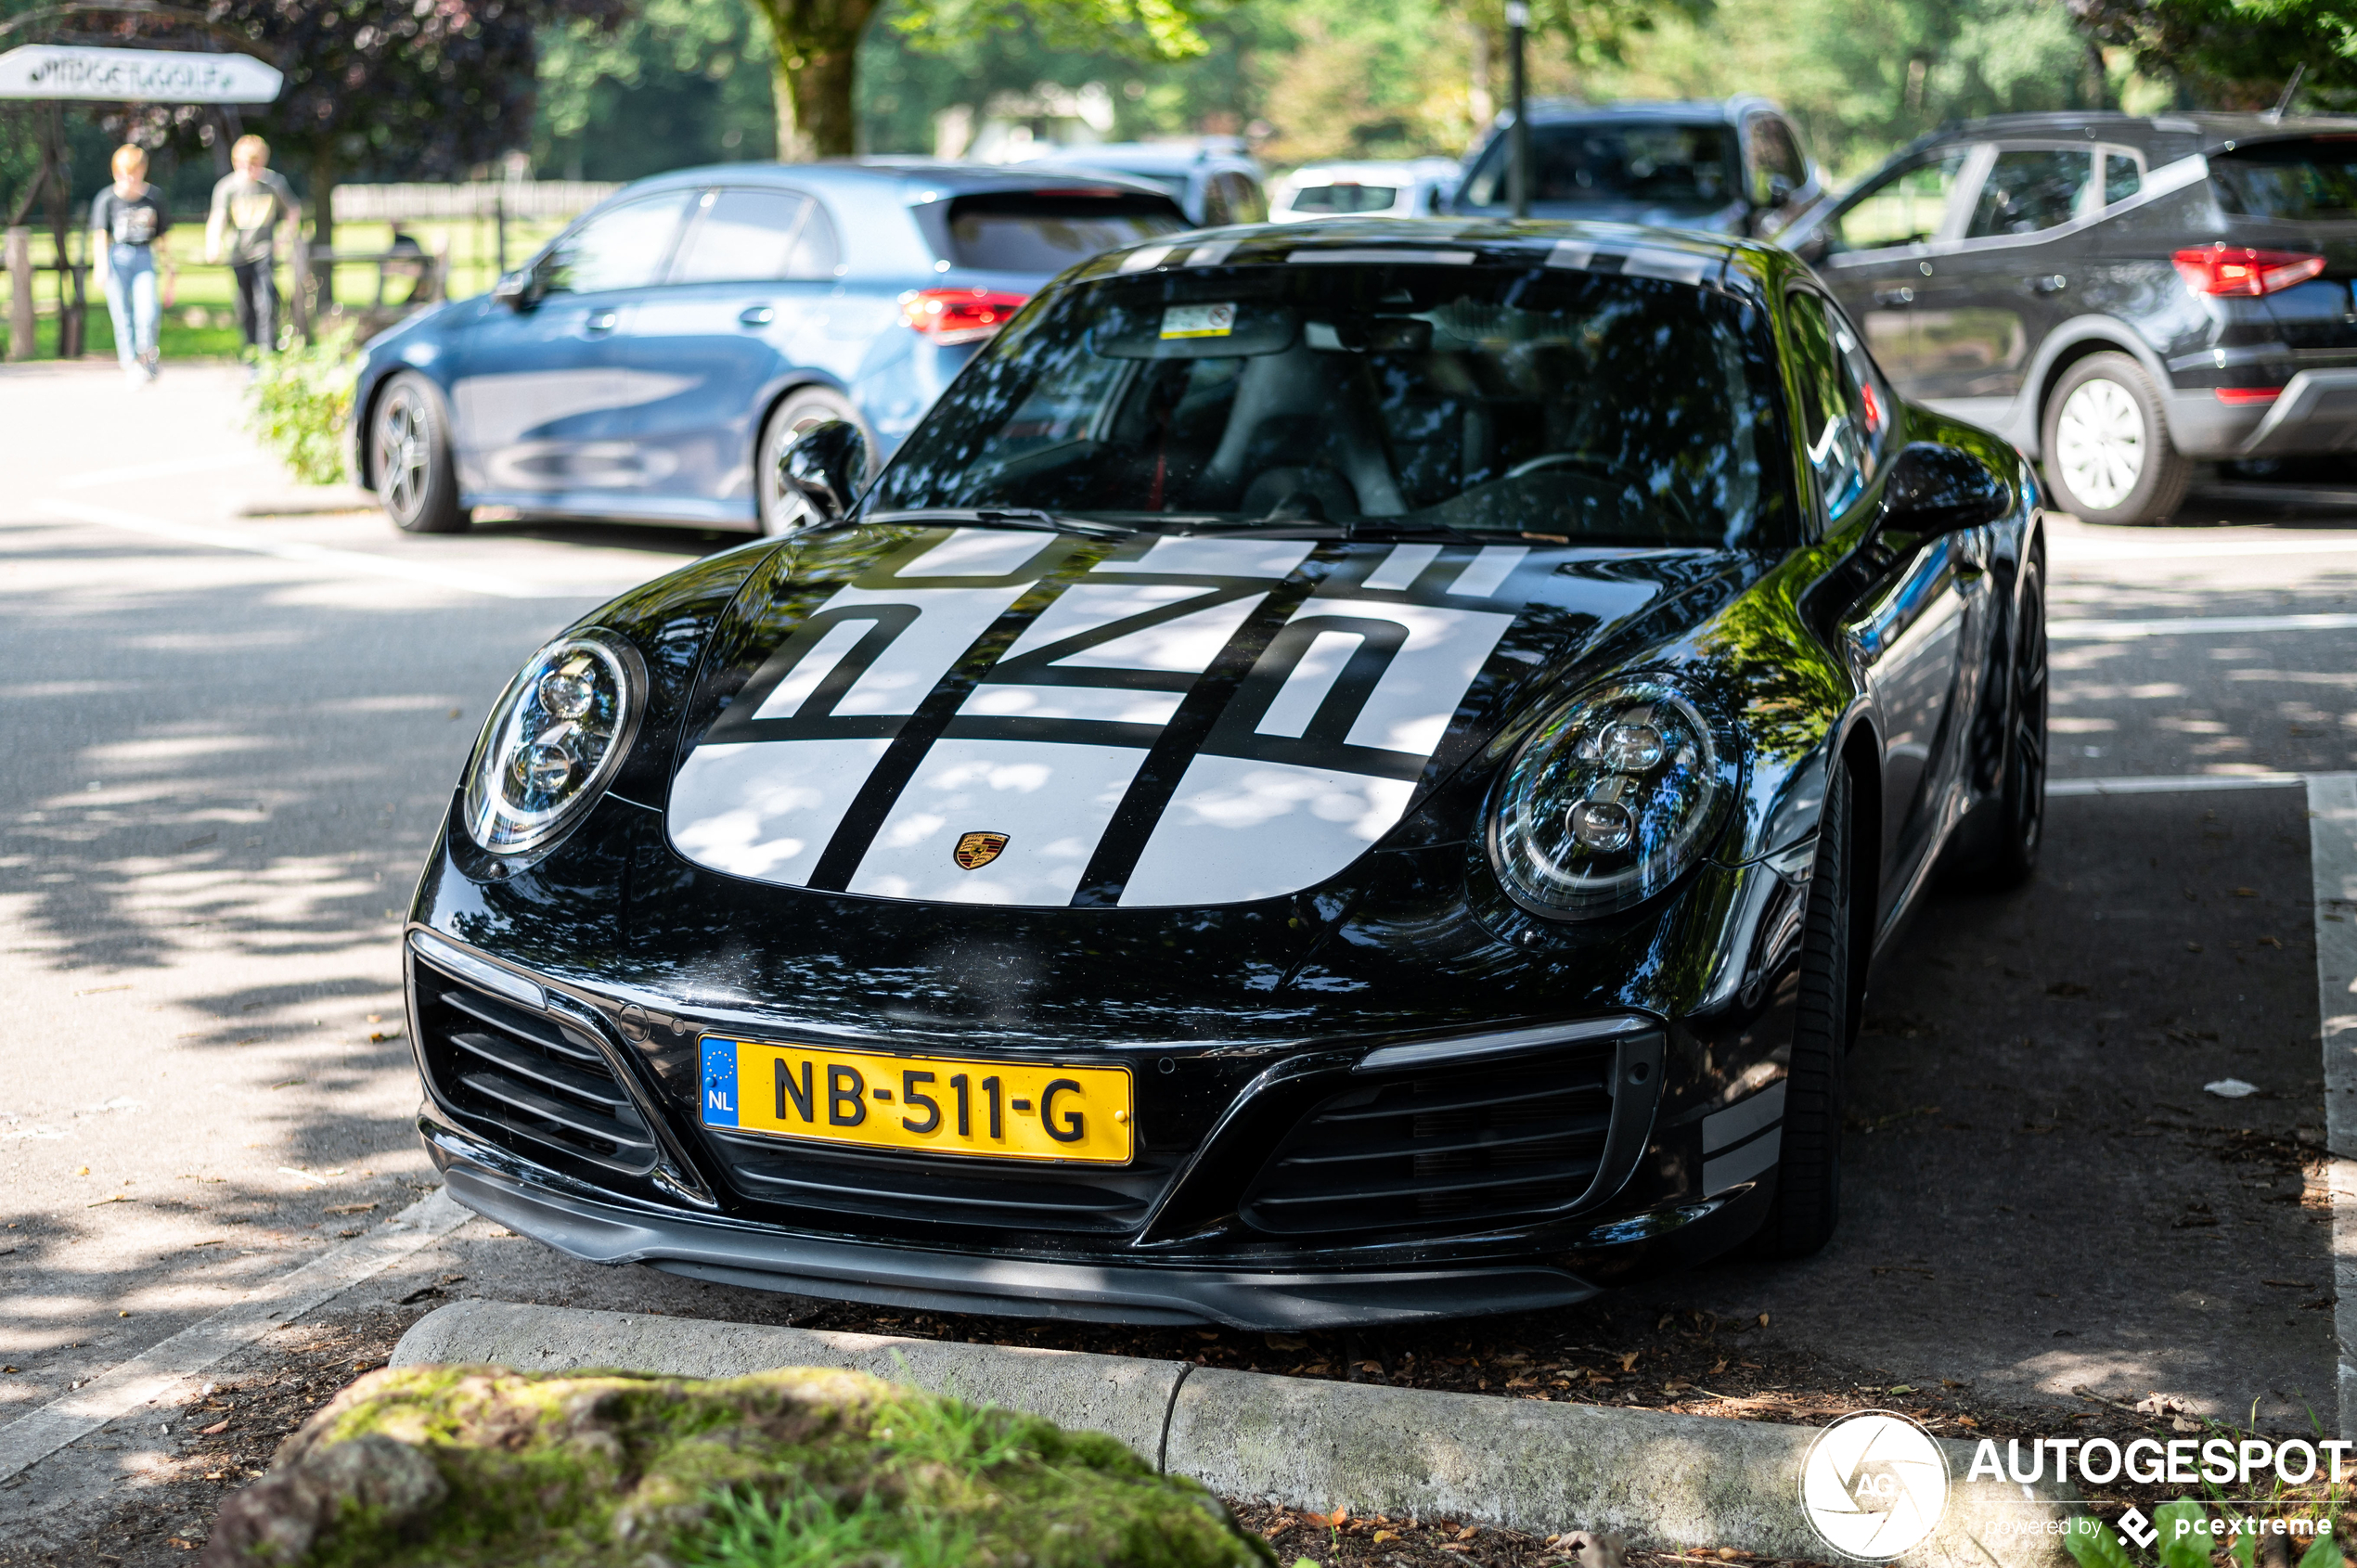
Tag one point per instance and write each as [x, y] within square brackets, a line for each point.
[127, 225]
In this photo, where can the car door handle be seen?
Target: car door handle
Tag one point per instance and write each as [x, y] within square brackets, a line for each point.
[755, 315]
[2051, 283]
[1901, 296]
[599, 323]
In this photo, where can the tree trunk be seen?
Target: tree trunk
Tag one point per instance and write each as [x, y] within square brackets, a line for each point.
[818, 43]
[1483, 102]
[322, 222]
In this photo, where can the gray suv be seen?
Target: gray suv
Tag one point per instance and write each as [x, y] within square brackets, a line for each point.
[1737, 166]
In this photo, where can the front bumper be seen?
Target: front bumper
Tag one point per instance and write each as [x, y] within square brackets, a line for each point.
[597, 1229]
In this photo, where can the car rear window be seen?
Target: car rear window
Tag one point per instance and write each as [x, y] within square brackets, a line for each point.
[2311, 177]
[1049, 230]
[1660, 165]
[1339, 199]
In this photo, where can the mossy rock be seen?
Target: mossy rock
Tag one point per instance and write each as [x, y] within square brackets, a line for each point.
[803, 1467]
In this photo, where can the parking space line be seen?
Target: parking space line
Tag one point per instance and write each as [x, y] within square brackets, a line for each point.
[2173, 783]
[2080, 550]
[2197, 625]
[2332, 839]
[481, 580]
[211, 464]
[32, 1438]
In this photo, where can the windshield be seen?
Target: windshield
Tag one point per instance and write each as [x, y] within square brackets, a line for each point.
[2314, 179]
[1649, 165]
[1456, 400]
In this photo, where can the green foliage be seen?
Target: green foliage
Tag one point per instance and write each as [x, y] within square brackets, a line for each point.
[475, 1467]
[2092, 1545]
[683, 82]
[2324, 1553]
[2236, 54]
[300, 404]
[2185, 1549]
[1146, 29]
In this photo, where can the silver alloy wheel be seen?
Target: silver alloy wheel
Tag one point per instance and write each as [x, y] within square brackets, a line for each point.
[401, 452]
[784, 510]
[2100, 444]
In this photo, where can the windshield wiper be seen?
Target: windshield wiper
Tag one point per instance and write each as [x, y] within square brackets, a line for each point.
[1009, 517]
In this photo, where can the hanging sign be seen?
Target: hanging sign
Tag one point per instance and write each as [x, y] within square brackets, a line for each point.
[59, 71]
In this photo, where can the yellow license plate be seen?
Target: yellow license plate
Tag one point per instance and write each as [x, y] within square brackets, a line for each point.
[935, 1104]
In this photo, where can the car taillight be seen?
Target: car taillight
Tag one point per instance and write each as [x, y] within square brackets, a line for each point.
[2241, 397]
[2239, 269]
[958, 316]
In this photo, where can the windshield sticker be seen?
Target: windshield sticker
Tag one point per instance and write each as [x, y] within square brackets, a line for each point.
[1199, 321]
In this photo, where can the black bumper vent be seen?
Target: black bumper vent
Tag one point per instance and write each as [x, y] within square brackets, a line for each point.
[999, 1195]
[511, 1073]
[1471, 1146]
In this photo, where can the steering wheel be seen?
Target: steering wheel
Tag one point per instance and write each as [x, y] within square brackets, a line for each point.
[1611, 468]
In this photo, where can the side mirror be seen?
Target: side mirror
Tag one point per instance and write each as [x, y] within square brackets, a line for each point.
[825, 465]
[1935, 489]
[514, 289]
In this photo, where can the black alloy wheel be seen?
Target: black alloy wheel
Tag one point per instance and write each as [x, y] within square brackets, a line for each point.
[1807, 1200]
[410, 456]
[1997, 846]
[781, 510]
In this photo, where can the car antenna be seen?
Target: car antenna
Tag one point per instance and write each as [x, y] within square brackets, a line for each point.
[2275, 115]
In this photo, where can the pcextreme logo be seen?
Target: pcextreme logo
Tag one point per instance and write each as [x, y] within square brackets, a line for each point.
[1873, 1484]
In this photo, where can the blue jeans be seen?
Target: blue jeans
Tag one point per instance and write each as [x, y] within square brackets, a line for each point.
[131, 302]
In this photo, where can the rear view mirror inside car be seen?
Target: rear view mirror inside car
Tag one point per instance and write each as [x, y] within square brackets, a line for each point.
[1211, 329]
[1379, 334]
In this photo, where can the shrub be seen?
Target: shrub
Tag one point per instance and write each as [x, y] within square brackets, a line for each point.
[300, 404]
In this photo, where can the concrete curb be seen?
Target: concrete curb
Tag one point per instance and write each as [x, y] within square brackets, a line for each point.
[1663, 1481]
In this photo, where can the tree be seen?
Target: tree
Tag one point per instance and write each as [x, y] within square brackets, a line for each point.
[417, 88]
[2235, 53]
[817, 44]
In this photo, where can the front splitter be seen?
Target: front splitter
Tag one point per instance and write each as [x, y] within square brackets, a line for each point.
[942, 1281]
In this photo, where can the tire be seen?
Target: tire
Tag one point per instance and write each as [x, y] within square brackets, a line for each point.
[1997, 847]
[410, 456]
[2105, 437]
[780, 511]
[1807, 1200]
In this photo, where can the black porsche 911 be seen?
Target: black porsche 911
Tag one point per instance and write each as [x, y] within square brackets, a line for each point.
[1344, 774]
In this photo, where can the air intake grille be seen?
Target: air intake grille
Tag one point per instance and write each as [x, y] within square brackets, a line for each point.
[1469, 1147]
[1001, 1195]
[509, 1071]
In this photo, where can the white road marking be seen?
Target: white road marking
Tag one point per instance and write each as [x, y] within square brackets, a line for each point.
[2197, 625]
[2332, 852]
[2172, 784]
[27, 1441]
[2076, 549]
[482, 580]
[159, 470]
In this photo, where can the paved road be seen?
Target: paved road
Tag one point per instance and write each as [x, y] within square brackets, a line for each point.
[229, 738]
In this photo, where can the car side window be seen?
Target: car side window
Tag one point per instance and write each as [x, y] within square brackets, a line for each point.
[1775, 161]
[1216, 208]
[817, 250]
[741, 236]
[1844, 409]
[1903, 207]
[623, 247]
[2123, 176]
[2028, 189]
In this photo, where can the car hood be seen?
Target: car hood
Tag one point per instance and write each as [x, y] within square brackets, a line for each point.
[994, 716]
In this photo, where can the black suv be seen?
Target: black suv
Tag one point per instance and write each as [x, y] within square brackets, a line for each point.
[1737, 165]
[2116, 296]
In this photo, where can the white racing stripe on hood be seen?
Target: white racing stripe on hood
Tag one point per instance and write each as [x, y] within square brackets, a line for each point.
[1399, 570]
[1411, 706]
[1052, 800]
[747, 810]
[1216, 557]
[1239, 829]
[1183, 644]
[1095, 705]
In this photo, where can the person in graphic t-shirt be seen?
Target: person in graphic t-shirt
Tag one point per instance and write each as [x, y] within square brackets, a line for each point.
[127, 225]
[248, 208]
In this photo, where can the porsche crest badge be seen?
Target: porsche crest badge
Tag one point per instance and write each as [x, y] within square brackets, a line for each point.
[976, 850]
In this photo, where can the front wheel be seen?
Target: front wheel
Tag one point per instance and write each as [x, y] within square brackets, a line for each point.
[409, 453]
[2105, 437]
[1997, 846]
[1806, 1201]
[781, 510]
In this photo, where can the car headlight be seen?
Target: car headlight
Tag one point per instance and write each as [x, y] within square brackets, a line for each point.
[1609, 801]
[560, 730]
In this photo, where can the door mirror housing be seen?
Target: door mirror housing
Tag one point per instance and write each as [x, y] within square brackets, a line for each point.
[514, 289]
[824, 465]
[1937, 489]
